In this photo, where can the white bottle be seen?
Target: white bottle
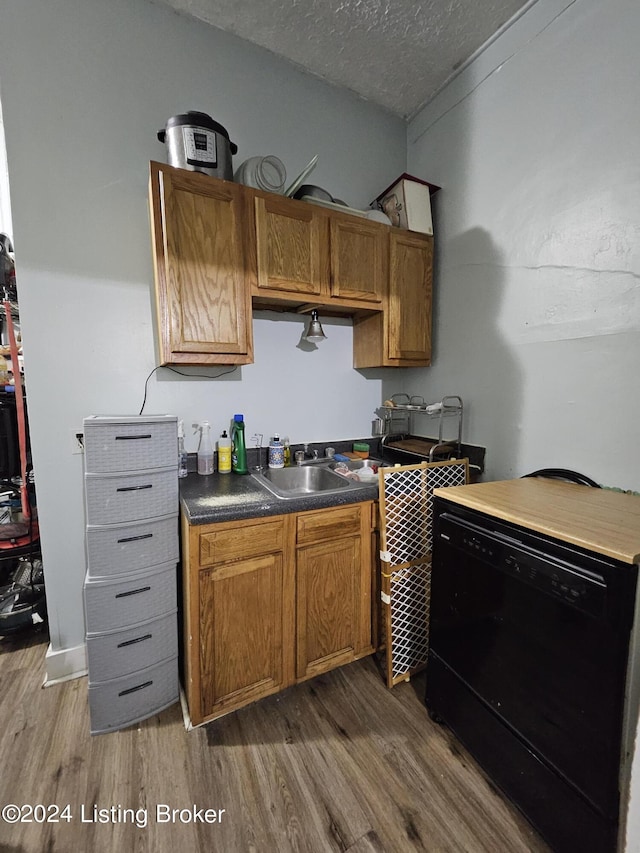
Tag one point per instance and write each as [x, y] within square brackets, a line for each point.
[276, 452]
[205, 449]
[182, 453]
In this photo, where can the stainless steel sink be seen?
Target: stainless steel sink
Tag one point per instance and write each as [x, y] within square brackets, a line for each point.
[304, 480]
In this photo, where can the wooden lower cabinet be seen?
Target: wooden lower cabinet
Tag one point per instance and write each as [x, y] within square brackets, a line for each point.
[327, 595]
[268, 602]
[242, 632]
[333, 589]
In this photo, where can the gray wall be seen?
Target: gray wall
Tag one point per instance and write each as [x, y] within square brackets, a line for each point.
[537, 307]
[537, 310]
[85, 86]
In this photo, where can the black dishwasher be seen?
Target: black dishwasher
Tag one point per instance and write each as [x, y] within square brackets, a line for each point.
[529, 643]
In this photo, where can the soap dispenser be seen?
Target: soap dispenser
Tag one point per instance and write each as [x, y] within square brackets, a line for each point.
[224, 453]
[276, 452]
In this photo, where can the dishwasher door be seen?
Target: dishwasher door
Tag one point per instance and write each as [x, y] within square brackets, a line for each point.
[528, 655]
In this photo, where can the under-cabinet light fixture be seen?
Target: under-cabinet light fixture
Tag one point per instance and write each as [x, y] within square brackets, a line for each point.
[314, 333]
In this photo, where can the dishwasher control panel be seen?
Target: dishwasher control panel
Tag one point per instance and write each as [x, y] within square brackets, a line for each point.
[546, 572]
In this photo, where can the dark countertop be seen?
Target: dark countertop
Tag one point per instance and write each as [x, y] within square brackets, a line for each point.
[231, 497]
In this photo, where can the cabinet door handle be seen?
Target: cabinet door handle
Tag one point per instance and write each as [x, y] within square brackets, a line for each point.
[134, 488]
[133, 592]
[137, 687]
[132, 437]
[135, 538]
[126, 643]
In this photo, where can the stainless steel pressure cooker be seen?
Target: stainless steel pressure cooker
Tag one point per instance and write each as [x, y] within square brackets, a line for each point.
[195, 141]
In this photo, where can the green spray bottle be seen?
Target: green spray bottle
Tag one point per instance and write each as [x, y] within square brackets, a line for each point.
[238, 448]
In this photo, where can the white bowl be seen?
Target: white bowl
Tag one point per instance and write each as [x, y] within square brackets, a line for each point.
[378, 216]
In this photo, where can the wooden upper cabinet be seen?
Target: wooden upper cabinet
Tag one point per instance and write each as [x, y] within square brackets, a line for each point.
[410, 296]
[288, 246]
[358, 259]
[219, 246]
[401, 335]
[203, 299]
[305, 253]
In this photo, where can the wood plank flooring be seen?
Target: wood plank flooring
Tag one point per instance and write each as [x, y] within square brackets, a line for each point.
[339, 763]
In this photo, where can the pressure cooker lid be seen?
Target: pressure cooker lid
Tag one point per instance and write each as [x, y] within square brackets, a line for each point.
[196, 119]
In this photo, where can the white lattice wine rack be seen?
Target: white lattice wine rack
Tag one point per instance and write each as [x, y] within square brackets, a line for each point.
[406, 536]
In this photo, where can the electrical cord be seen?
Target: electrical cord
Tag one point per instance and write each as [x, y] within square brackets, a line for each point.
[180, 373]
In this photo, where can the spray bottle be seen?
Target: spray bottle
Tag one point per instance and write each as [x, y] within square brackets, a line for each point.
[205, 449]
[239, 449]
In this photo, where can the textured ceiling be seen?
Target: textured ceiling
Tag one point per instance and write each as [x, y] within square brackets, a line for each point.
[396, 53]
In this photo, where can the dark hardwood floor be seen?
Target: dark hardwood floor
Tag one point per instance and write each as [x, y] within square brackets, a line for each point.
[339, 763]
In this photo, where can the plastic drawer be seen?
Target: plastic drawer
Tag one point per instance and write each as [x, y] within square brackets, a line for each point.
[123, 652]
[122, 701]
[130, 444]
[117, 550]
[110, 605]
[119, 498]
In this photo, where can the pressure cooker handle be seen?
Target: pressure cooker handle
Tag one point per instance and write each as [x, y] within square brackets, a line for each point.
[161, 135]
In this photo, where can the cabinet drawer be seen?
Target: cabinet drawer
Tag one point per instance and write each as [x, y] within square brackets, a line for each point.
[129, 445]
[109, 605]
[123, 701]
[119, 549]
[123, 652]
[236, 543]
[119, 498]
[328, 524]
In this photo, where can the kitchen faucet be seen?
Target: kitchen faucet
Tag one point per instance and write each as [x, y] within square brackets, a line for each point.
[301, 455]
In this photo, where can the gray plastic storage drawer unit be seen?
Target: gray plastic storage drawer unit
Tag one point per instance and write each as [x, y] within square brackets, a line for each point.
[115, 549]
[123, 601]
[122, 701]
[130, 588]
[113, 444]
[122, 652]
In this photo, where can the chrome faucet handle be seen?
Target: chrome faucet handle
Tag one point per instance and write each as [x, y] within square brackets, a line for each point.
[299, 457]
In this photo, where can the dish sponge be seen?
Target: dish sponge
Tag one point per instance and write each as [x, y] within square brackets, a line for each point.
[361, 449]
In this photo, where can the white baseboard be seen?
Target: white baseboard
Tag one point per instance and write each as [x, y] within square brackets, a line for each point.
[65, 664]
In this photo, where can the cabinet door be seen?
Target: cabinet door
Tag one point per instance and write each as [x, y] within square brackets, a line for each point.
[358, 259]
[329, 607]
[242, 632]
[203, 300]
[409, 307]
[288, 243]
[400, 336]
